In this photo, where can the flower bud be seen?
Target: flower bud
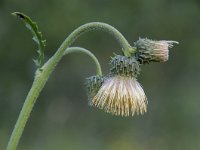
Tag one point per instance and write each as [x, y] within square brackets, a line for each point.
[93, 84]
[152, 51]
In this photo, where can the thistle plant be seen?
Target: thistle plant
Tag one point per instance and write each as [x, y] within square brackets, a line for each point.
[118, 92]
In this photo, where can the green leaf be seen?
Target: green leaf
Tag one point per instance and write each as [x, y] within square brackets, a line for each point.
[37, 37]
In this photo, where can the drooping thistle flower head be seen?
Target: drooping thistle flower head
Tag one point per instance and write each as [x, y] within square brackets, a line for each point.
[152, 51]
[120, 93]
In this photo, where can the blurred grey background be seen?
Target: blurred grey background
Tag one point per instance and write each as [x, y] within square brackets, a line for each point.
[61, 118]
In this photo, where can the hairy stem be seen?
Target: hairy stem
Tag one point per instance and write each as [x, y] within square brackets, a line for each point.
[87, 52]
[126, 48]
[43, 74]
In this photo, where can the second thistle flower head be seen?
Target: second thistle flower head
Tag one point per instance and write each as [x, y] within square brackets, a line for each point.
[153, 51]
[120, 93]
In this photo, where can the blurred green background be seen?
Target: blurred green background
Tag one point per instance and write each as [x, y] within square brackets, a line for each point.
[61, 118]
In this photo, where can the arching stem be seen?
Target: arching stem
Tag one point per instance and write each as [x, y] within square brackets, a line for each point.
[87, 52]
[42, 75]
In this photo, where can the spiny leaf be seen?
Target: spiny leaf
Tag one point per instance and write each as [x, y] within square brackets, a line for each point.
[37, 36]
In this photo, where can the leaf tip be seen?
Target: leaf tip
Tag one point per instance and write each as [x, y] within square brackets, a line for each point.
[18, 14]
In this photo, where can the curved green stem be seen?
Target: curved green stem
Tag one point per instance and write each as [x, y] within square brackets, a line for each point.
[126, 47]
[87, 52]
[43, 74]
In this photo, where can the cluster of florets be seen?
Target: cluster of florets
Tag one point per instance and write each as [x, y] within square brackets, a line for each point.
[152, 51]
[120, 93]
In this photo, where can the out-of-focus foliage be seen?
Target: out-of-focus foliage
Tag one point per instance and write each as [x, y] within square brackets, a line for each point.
[61, 118]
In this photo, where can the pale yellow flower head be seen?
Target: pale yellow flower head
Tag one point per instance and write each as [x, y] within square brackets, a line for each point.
[120, 93]
[153, 51]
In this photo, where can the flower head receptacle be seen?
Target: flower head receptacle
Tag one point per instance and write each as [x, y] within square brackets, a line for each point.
[152, 51]
[120, 93]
